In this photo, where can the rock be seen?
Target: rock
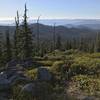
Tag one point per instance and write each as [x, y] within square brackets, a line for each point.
[14, 79]
[37, 89]
[29, 88]
[3, 75]
[44, 74]
[8, 78]
[11, 64]
[4, 82]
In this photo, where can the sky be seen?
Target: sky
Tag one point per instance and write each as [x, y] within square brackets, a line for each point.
[51, 9]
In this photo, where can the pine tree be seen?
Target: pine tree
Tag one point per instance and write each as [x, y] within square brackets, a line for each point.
[58, 43]
[54, 36]
[8, 47]
[16, 37]
[97, 43]
[26, 40]
[38, 36]
[1, 47]
[81, 44]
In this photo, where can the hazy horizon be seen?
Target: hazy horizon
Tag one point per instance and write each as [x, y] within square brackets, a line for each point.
[52, 21]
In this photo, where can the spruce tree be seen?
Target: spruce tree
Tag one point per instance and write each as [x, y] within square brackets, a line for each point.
[17, 37]
[58, 43]
[97, 43]
[1, 51]
[8, 47]
[38, 37]
[26, 40]
[54, 36]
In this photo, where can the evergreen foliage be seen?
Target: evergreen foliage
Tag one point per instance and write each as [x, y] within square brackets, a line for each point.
[8, 47]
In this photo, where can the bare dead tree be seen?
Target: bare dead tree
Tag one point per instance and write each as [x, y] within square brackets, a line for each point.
[54, 36]
[38, 34]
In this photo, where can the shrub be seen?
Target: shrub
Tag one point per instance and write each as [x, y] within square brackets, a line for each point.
[56, 67]
[85, 65]
[87, 84]
[32, 73]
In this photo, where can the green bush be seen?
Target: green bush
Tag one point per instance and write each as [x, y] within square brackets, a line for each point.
[85, 65]
[57, 66]
[31, 73]
[87, 84]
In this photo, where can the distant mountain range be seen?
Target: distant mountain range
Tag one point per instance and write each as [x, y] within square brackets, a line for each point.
[70, 23]
[46, 31]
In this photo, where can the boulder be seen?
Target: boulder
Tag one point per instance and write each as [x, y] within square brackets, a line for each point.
[8, 78]
[44, 74]
[37, 89]
[4, 82]
[29, 88]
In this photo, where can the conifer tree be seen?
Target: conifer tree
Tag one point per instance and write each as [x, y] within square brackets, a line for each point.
[1, 47]
[97, 44]
[8, 47]
[81, 43]
[17, 37]
[38, 36]
[54, 36]
[58, 43]
[26, 38]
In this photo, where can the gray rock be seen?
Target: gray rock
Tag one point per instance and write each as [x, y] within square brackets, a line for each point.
[4, 82]
[11, 63]
[3, 75]
[44, 74]
[29, 88]
[37, 89]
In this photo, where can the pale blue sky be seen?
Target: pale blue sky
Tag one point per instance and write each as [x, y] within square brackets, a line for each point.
[71, 9]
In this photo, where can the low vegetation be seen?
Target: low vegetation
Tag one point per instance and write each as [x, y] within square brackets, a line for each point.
[83, 74]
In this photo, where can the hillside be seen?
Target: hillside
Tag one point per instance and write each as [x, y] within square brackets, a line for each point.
[47, 31]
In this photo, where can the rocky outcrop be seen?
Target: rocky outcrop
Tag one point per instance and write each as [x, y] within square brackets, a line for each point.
[10, 77]
[15, 72]
[29, 88]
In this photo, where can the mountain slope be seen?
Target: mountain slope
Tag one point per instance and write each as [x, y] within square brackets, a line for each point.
[46, 32]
